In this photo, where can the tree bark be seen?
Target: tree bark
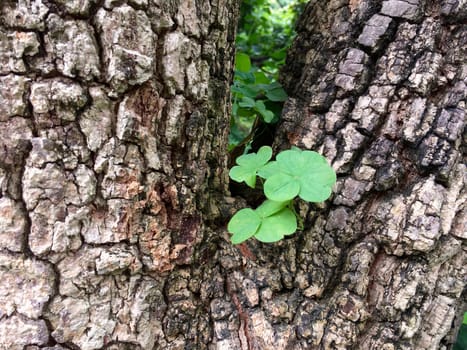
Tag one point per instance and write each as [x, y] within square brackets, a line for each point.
[114, 120]
[113, 179]
[379, 87]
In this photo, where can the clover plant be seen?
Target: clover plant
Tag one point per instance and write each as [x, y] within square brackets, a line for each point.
[295, 172]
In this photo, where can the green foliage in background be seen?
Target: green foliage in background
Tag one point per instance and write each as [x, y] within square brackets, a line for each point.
[305, 174]
[254, 95]
[265, 32]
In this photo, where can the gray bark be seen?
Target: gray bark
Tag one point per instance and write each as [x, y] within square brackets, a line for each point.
[379, 87]
[113, 131]
[113, 200]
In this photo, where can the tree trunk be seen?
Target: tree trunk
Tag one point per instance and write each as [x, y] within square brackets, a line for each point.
[113, 125]
[379, 87]
[114, 120]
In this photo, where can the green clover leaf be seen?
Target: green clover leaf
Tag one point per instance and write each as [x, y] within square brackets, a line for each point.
[267, 115]
[243, 225]
[273, 228]
[296, 172]
[281, 187]
[247, 102]
[269, 207]
[270, 222]
[249, 164]
[277, 94]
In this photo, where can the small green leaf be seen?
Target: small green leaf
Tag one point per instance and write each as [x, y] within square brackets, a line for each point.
[281, 187]
[234, 108]
[254, 159]
[244, 90]
[247, 102]
[294, 172]
[274, 85]
[261, 78]
[240, 174]
[269, 170]
[312, 192]
[259, 106]
[249, 164]
[267, 115]
[269, 207]
[305, 173]
[292, 162]
[277, 95]
[243, 77]
[246, 112]
[279, 54]
[273, 228]
[243, 225]
[316, 183]
[461, 342]
[242, 62]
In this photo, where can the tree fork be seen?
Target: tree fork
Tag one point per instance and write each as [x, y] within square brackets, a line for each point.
[113, 125]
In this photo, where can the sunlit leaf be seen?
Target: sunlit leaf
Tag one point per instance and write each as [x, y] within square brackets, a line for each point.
[269, 207]
[249, 164]
[261, 78]
[281, 187]
[273, 228]
[243, 225]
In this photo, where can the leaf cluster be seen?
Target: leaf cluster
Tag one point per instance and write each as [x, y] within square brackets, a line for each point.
[295, 172]
[264, 33]
[254, 95]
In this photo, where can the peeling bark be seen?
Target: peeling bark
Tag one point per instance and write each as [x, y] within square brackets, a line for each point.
[113, 180]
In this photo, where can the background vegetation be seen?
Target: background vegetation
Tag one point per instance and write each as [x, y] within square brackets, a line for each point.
[265, 32]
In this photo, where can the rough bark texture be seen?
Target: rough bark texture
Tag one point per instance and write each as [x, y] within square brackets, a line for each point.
[379, 87]
[113, 121]
[113, 131]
